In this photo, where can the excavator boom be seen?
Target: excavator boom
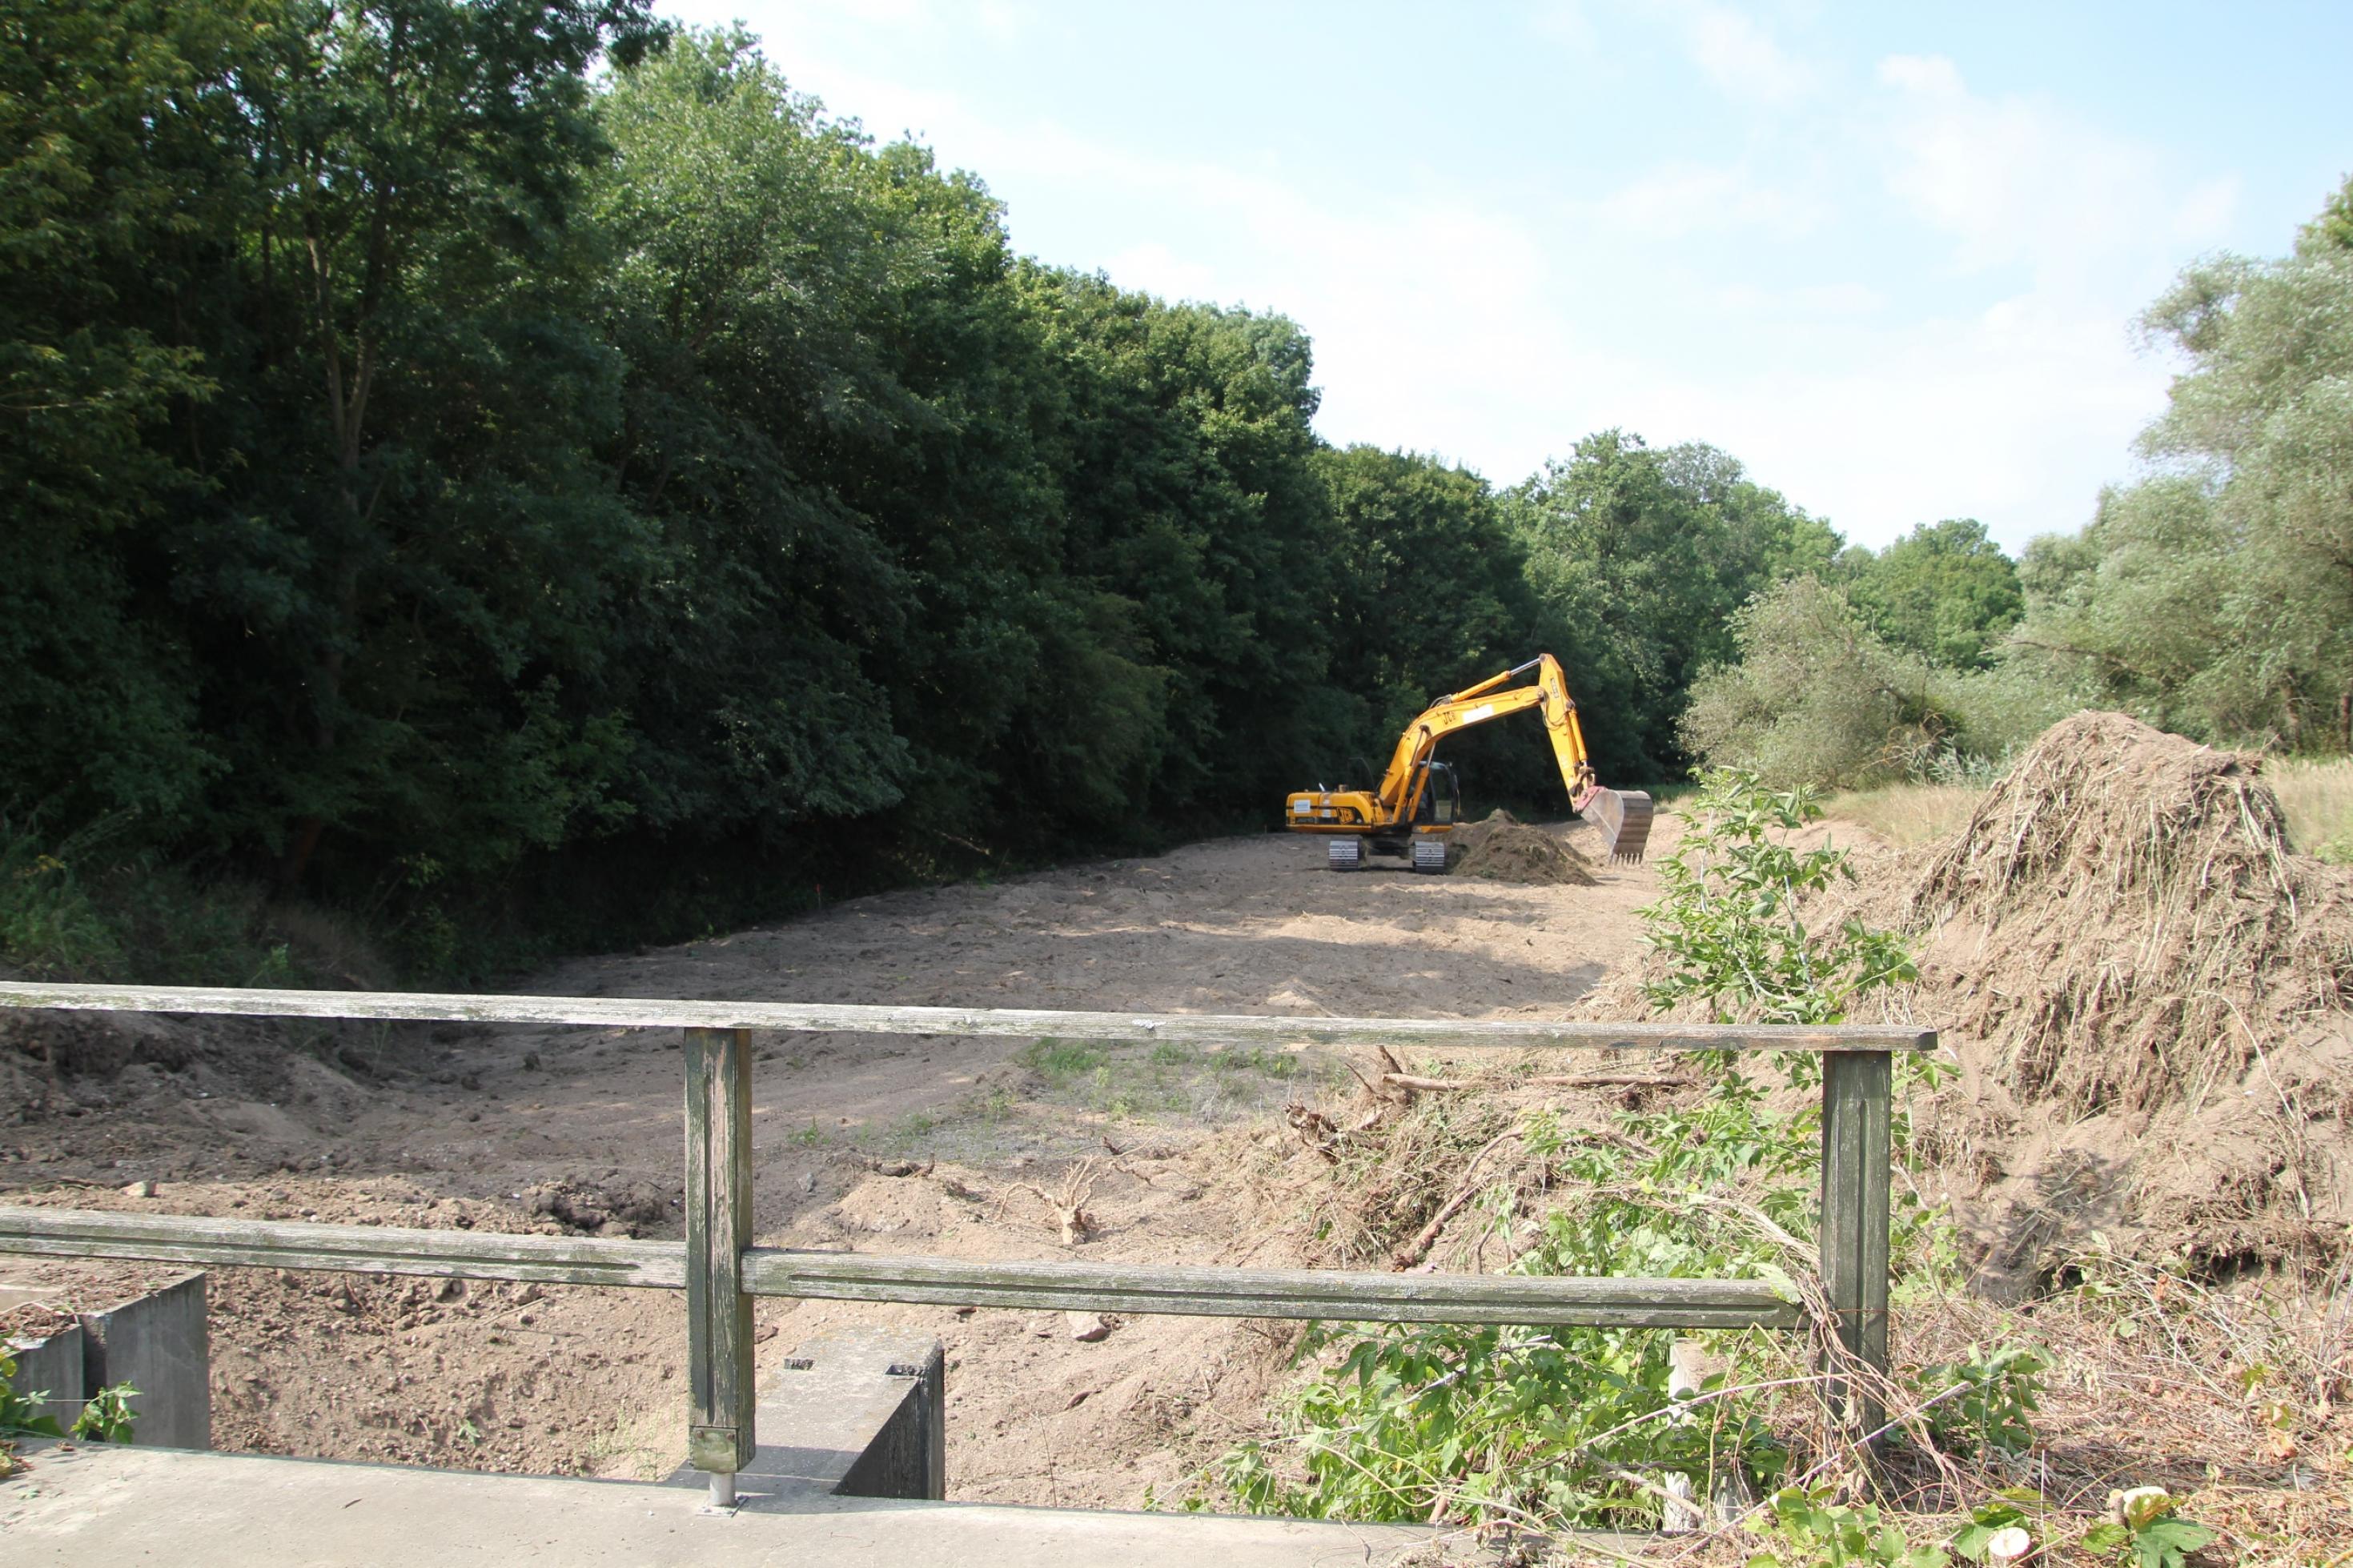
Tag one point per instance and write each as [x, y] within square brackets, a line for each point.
[1624, 815]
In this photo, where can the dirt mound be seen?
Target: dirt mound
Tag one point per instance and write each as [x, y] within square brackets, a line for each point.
[2149, 993]
[1502, 848]
[2135, 918]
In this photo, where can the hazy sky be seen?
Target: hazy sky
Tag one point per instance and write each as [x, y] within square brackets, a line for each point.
[1889, 256]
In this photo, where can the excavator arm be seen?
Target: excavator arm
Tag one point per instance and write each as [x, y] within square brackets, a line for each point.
[1479, 704]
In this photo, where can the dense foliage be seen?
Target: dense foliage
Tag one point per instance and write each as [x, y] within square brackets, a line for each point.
[1945, 591]
[1818, 696]
[466, 456]
[466, 453]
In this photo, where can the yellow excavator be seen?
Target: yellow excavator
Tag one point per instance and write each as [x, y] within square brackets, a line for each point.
[1420, 798]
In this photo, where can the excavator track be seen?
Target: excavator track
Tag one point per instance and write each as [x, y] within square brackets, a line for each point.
[1624, 818]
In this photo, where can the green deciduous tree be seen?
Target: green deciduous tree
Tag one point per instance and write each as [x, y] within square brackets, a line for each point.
[1640, 559]
[1817, 697]
[108, 119]
[2218, 594]
[1945, 591]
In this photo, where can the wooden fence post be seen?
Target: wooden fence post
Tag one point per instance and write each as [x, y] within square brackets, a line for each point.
[720, 1386]
[1857, 1101]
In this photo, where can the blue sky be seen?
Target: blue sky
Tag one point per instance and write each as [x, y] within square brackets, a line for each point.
[1889, 256]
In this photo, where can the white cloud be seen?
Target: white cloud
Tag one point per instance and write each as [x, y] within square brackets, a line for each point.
[1739, 56]
[2017, 180]
[1688, 198]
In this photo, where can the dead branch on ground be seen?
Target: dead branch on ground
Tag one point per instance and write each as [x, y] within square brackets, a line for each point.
[1069, 1206]
[1416, 1249]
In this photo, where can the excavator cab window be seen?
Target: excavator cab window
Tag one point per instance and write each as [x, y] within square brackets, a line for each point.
[1441, 797]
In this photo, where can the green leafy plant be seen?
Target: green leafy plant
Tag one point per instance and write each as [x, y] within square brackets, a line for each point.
[105, 1418]
[1804, 1528]
[1060, 1061]
[2145, 1528]
[2017, 1508]
[1577, 1426]
[1994, 1407]
[1731, 922]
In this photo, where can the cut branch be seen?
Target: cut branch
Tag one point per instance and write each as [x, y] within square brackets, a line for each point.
[1416, 1249]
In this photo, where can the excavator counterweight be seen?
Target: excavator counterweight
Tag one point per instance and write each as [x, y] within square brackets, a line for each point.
[1417, 803]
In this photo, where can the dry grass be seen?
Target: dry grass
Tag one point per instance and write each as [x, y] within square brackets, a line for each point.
[1909, 815]
[2318, 797]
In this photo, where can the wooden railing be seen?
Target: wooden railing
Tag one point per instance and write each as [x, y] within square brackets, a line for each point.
[721, 1270]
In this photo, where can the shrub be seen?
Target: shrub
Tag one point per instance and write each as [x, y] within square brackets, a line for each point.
[1818, 698]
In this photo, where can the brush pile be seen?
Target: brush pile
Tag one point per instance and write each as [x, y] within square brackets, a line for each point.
[2151, 994]
[2124, 915]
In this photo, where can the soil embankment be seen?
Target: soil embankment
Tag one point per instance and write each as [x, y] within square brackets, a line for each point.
[2152, 998]
[578, 1130]
[2145, 991]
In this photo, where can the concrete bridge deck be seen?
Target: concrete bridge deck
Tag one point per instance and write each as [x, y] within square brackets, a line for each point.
[78, 1504]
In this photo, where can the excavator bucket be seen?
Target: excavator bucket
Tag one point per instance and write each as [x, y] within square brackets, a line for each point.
[1624, 816]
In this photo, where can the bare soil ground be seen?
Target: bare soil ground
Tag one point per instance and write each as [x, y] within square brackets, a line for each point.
[578, 1129]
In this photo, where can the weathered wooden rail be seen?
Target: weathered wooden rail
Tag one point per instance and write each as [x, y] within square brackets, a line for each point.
[722, 1270]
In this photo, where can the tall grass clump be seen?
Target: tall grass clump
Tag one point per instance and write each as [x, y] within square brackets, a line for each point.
[1909, 815]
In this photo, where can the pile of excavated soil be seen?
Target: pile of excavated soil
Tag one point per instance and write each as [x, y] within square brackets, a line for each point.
[2123, 912]
[2152, 998]
[1502, 848]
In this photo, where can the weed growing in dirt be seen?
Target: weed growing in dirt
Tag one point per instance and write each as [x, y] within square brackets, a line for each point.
[2148, 1531]
[1731, 921]
[1059, 1061]
[1984, 1402]
[1806, 1526]
[1170, 1078]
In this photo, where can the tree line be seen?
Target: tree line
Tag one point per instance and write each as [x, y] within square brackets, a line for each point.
[2213, 596]
[466, 456]
[509, 447]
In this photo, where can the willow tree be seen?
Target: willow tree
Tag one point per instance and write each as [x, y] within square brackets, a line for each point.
[2217, 595]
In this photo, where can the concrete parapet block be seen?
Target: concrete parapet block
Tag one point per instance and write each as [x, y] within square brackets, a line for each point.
[160, 1345]
[854, 1414]
[52, 1365]
[909, 1456]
